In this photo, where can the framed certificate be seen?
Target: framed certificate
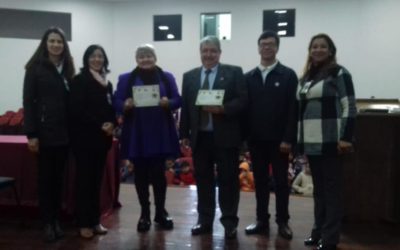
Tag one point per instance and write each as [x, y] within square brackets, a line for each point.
[210, 97]
[146, 96]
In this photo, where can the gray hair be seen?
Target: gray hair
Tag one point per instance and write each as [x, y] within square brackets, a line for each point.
[211, 40]
[146, 49]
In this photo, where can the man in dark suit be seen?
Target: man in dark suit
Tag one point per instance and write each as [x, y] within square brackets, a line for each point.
[271, 132]
[215, 136]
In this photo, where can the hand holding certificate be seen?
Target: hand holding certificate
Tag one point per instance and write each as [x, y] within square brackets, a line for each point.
[210, 97]
[146, 96]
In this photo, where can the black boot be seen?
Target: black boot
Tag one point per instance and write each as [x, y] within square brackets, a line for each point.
[59, 233]
[48, 233]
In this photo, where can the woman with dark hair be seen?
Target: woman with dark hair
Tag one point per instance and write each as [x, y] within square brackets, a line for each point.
[149, 135]
[45, 92]
[326, 123]
[92, 122]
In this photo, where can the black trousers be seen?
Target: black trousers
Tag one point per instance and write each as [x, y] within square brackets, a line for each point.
[328, 212]
[90, 164]
[150, 171]
[52, 161]
[263, 154]
[207, 158]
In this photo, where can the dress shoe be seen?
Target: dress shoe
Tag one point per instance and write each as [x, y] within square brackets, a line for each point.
[59, 233]
[201, 229]
[100, 229]
[86, 232]
[49, 234]
[164, 221]
[257, 228]
[312, 241]
[230, 233]
[143, 225]
[326, 247]
[284, 231]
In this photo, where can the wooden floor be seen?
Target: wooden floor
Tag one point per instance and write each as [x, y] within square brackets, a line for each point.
[181, 204]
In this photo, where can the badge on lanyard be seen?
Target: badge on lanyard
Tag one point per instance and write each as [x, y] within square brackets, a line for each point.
[304, 90]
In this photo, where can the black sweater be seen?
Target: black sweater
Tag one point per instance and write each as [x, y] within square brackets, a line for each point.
[90, 106]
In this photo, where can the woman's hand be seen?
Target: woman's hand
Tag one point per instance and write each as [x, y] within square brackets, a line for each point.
[164, 103]
[345, 147]
[108, 128]
[285, 147]
[128, 104]
[185, 142]
[33, 145]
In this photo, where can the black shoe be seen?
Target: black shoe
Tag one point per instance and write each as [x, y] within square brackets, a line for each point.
[49, 234]
[201, 229]
[326, 247]
[165, 222]
[59, 233]
[284, 231]
[230, 233]
[143, 225]
[257, 228]
[312, 241]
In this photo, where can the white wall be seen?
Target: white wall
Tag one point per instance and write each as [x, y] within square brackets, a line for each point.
[91, 23]
[365, 33]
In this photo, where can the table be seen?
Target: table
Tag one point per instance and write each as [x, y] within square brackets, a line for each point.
[18, 162]
[372, 173]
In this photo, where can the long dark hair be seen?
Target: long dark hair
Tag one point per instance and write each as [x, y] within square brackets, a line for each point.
[89, 51]
[331, 62]
[42, 54]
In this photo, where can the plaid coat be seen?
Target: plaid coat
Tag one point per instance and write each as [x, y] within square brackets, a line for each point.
[327, 111]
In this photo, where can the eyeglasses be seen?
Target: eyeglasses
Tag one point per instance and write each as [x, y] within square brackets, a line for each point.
[267, 45]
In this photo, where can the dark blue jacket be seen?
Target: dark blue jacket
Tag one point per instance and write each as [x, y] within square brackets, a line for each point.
[271, 112]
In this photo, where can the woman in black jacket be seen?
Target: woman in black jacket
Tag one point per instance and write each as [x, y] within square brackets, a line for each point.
[45, 92]
[92, 121]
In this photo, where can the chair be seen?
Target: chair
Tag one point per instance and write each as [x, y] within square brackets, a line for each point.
[15, 125]
[6, 182]
[4, 121]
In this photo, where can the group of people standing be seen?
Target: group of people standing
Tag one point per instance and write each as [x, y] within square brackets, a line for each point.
[64, 111]
[276, 114]
[268, 107]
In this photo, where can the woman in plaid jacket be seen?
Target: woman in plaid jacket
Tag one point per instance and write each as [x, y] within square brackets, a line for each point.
[326, 122]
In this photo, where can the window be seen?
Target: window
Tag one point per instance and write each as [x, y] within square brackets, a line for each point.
[167, 27]
[31, 24]
[216, 24]
[282, 21]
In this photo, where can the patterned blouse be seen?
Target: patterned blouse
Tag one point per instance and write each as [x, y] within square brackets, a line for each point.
[327, 111]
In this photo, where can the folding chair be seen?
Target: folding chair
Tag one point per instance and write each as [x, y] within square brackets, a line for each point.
[6, 182]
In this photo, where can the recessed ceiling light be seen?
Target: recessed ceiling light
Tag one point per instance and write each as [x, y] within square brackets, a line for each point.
[163, 27]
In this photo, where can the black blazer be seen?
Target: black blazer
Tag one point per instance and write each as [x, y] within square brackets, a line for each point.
[45, 105]
[90, 105]
[227, 131]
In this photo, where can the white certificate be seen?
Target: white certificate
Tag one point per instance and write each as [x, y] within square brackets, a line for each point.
[210, 97]
[146, 96]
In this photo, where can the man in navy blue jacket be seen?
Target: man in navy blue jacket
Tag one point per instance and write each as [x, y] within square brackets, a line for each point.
[270, 132]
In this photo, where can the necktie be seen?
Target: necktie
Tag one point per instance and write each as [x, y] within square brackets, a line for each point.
[204, 116]
[206, 83]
